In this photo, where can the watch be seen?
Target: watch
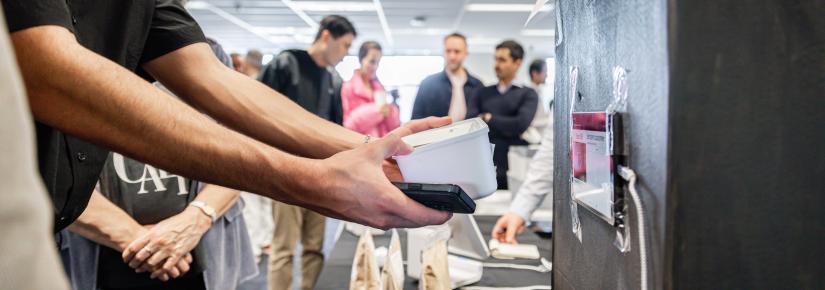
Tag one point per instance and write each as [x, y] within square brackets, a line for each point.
[206, 209]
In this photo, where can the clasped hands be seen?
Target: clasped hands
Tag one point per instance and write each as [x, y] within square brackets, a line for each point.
[164, 249]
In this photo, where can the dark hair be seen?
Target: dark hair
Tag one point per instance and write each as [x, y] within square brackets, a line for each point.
[516, 51]
[365, 49]
[456, 34]
[337, 25]
[537, 65]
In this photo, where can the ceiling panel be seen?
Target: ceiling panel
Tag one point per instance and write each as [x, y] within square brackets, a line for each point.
[271, 25]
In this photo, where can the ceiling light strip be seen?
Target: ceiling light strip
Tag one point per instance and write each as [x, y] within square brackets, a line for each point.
[301, 14]
[460, 16]
[229, 17]
[493, 7]
[384, 24]
[335, 6]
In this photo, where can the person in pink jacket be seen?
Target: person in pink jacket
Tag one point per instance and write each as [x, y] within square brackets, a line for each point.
[366, 110]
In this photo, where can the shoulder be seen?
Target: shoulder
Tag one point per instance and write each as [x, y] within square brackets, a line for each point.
[432, 79]
[429, 84]
[288, 55]
[487, 88]
[285, 61]
[481, 90]
[473, 81]
[528, 91]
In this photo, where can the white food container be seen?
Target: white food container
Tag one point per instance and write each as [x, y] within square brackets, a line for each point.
[458, 154]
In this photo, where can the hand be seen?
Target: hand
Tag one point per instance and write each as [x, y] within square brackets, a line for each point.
[126, 237]
[390, 166]
[179, 270]
[355, 188]
[419, 125]
[485, 116]
[507, 227]
[165, 244]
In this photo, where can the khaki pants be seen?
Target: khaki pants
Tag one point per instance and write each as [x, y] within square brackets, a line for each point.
[293, 223]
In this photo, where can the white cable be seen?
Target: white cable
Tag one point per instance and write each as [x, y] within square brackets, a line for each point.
[630, 176]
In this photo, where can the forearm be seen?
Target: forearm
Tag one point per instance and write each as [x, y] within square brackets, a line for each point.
[218, 197]
[539, 180]
[116, 109]
[106, 224]
[249, 106]
[511, 126]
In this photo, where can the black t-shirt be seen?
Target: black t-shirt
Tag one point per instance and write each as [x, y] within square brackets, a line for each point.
[312, 75]
[296, 75]
[128, 32]
[149, 195]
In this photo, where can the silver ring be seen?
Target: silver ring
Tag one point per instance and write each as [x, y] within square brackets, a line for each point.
[148, 250]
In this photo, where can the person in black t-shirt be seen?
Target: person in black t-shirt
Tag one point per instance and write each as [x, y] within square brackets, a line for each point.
[86, 63]
[308, 78]
[508, 109]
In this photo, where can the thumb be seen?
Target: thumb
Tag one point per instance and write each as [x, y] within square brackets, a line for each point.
[392, 145]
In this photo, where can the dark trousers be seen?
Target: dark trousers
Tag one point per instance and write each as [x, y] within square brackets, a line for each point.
[188, 282]
[501, 162]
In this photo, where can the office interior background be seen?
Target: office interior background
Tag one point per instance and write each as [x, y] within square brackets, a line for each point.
[411, 33]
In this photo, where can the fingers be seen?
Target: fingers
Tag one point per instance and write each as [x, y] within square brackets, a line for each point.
[398, 222]
[183, 264]
[419, 125]
[499, 229]
[171, 256]
[137, 250]
[175, 271]
[408, 213]
[512, 231]
[391, 145]
[173, 261]
[152, 254]
[164, 275]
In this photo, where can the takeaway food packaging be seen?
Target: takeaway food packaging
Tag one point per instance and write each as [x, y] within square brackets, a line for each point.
[459, 154]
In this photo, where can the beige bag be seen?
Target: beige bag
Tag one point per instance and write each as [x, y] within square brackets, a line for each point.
[435, 273]
[365, 273]
[392, 276]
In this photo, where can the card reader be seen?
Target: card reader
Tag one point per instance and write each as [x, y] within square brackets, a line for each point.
[446, 197]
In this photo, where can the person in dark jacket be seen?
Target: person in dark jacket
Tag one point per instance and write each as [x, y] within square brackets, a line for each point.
[508, 109]
[306, 77]
[443, 94]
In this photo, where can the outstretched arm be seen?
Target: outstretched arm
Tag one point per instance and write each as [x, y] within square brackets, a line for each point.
[87, 96]
[247, 105]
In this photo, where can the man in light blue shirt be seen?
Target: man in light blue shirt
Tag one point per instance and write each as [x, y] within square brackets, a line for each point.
[537, 184]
